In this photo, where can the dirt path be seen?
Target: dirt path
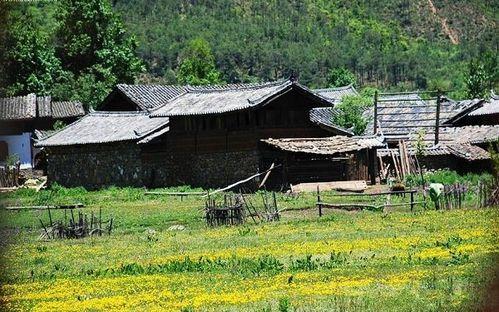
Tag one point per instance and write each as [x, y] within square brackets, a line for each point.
[443, 21]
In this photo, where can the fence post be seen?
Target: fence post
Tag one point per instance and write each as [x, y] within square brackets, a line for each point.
[375, 120]
[319, 205]
[412, 201]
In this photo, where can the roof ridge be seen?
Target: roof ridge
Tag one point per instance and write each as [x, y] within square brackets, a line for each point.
[19, 96]
[119, 85]
[235, 86]
[334, 88]
[121, 113]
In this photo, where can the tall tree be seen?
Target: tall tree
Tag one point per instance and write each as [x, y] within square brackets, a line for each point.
[340, 77]
[482, 75]
[30, 64]
[92, 37]
[476, 81]
[95, 48]
[351, 113]
[197, 65]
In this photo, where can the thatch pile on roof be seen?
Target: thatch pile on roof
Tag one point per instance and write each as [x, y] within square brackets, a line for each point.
[325, 146]
[31, 106]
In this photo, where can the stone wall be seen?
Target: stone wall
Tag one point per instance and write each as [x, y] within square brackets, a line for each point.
[125, 164]
[220, 169]
[94, 166]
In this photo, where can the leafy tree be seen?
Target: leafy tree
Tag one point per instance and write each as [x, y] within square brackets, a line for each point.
[351, 113]
[476, 81]
[30, 61]
[340, 77]
[197, 66]
[95, 49]
[91, 35]
[482, 75]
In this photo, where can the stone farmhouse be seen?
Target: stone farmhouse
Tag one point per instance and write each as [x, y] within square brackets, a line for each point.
[209, 136]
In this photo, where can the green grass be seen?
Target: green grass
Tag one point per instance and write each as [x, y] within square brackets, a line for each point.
[348, 261]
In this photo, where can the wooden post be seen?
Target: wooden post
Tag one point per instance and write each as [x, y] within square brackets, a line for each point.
[372, 165]
[375, 121]
[412, 201]
[395, 164]
[437, 122]
[319, 205]
[50, 215]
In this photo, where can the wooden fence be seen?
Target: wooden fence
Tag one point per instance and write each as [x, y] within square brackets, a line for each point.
[453, 196]
[488, 194]
[321, 204]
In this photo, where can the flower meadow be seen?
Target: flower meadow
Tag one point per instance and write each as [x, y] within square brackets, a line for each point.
[365, 261]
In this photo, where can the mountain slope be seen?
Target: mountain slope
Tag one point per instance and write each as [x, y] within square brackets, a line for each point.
[396, 42]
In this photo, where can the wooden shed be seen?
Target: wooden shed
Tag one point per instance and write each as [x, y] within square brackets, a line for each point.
[337, 158]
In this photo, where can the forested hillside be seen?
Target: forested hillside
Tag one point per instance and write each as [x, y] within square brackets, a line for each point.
[79, 49]
[409, 43]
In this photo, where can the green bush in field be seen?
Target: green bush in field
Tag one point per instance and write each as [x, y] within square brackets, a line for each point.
[447, 177]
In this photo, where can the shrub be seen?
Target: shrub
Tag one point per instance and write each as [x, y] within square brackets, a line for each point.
[447, 177]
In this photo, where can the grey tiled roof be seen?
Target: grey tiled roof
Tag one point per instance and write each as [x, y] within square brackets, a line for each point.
[106, 127]
[490, 107]
[336, 94]
[65, 109]
[18, 107]
[227, 98]
[401, 115]
[30, 107]
[465, 151]
[465, 134]
[44, 107]
[324, 116]
[456, 141]
[325, 146]
[151, 96]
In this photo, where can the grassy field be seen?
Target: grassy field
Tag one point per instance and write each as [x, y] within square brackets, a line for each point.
[426, 260]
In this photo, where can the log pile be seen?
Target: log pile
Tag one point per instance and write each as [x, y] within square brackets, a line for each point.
[402, 163]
